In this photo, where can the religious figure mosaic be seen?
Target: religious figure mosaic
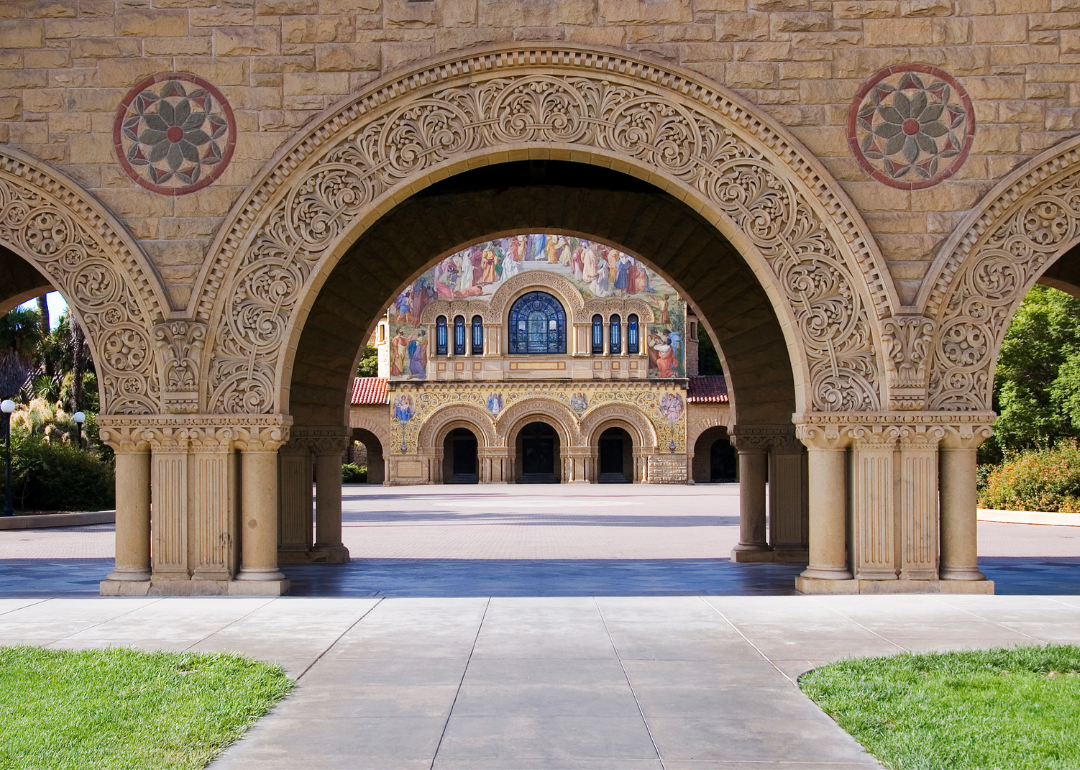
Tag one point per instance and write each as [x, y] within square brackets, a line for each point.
[596, 270]
[174, 133]
[911, 126]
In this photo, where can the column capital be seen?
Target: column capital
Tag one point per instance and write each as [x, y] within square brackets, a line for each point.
[966, 435]
[321, 439]
[211, 432]
[758, 438]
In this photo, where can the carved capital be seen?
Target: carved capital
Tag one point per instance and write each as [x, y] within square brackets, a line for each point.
[123, 438]
[921, 436]
[907, 345]
[874, 436]
[966, 435]
[759, 438]
[179, 347]
[823, 437]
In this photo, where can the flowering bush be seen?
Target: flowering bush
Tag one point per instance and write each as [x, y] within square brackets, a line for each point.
[1036, 480]
[353, 474]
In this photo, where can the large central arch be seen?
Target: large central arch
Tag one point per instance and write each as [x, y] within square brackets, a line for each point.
[739, 171]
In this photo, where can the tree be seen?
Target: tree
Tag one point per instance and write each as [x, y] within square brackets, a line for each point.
[369, 364]
[708, 358]
[20, 331]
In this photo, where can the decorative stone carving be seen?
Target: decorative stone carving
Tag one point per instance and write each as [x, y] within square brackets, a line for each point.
[989, 265]
[46, 219]
[179, 345]
[690, 136]
[446, 418]
[556, 414]
[597, 419]
[906, 340]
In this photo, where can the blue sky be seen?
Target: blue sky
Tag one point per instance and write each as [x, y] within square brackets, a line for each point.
[57, 306]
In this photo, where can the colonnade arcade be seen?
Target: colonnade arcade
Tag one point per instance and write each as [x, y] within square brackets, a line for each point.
[218, 409]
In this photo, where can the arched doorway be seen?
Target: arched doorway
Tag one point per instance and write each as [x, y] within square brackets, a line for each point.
[460, 463]
[714, 457]
[615, 457]
[538, 454]
[365, 449]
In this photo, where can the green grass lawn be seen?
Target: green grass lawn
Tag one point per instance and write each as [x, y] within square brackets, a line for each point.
[1011, 709]
[126, 710]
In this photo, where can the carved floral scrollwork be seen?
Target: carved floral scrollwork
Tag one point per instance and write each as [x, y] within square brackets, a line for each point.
[179, 345]
[907, 346]
[989, 284]
[280, 241]
[84, 268]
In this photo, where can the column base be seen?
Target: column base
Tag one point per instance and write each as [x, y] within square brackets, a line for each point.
[826, 573]
[746, 554]
[807, 585]
[962, 574]
[128, 575]
[194, 588]
[258, 574]
[796, 555]
[330, 554]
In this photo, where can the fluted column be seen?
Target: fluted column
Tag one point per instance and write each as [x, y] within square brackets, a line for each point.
[918, 479]
[294, 499]
[132, 505]
[169, 477]
[212, 507]
[328, 545]
[873, 504]
[827, 503]
[959, 502]
[259, 526]
[787, 497]
[753, 449]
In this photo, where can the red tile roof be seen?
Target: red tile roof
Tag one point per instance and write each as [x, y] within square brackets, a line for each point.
[370, 390]
[707, 390]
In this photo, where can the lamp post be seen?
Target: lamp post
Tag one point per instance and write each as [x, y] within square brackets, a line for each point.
[7, 406]
[79, 418]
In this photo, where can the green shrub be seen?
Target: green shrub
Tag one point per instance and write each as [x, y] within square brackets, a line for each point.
[1036, 480]
[351, 473]
[58, 476]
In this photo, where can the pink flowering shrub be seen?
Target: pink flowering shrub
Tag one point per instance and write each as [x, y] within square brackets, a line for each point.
[1036, 480]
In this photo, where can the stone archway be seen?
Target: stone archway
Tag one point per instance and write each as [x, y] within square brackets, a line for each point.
[641, 432]
[801, 237]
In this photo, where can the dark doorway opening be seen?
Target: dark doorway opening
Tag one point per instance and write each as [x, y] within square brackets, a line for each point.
[539, 450]
[722, 464]
[459, 451]
[615, 445]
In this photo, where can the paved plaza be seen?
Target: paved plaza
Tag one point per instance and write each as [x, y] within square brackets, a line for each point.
[542, 627]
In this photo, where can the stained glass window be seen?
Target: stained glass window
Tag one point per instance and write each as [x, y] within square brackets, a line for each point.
[440, 336]
[632, 344]
[459, 336]
[477, 335]
[597, 335]
[616, 335]
[537, 324]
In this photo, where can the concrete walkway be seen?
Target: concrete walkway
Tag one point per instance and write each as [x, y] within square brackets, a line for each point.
[572, 682]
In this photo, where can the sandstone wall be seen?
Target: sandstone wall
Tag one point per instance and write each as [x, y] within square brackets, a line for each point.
[66, 65]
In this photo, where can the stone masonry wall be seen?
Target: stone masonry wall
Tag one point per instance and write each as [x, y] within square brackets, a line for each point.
[66, 65]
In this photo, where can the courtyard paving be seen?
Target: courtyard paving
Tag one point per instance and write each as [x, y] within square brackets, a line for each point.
[548, 627]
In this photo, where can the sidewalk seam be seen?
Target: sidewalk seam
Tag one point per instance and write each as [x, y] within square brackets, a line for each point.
[461, 683]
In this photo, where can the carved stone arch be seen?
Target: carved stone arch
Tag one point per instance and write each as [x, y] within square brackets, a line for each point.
[741, 171]
[374, 427]
[698, 427]
[559, 286]
[623, 307]
[994, 257]
[88, 256]
[444, 419]
[538, 409]
[630, 419]
[431, 312]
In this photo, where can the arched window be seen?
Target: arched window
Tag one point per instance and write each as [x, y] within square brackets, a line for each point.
[477, 335]
[616, 335]
[440, 336]
[633, 347]
[597, 335]
[459, 336]
[537, 324]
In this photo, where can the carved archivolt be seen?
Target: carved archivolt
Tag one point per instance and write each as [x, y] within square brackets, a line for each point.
[698, 427]
[623, 307]
[596, 420]
[557, 415]
[443, 420]
[988, 266]
[70, 238]
[802, 237]
[512, 288]
[377, 428]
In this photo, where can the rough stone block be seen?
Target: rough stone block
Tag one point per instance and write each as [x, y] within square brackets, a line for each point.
[720, 6]
[456, 13]
[222, 17]
[781, 23]
[177, 46]
[742, 26]
[999, 29]
[217, 71]
[147, 23]
[316, 29]
[898, 32]
[10, 108]
[769, 52]
[535, 13]
[866, 9]
[286, 7]
[247, 41]
[346, 57]
[921, 8]
[751, 75]
[349, 6]
[67, 28]
[994, 87]
[46, 59]
[105, 48]
[311, 83]
[22, 33]
[127, 72]
[395, 55]
[69, 123]
[646, 12]
[43, 100]
[779, 6]
[52, 9]
[456, 39]
[406, 13]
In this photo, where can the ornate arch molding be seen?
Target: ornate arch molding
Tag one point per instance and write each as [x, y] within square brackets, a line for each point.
[446, 418]
[698, 428]
[617, 415]
[373, 427]
[81, 248]
[532, 280]
[608, 305]
[532, 409]
[991, 261]
[800, 234]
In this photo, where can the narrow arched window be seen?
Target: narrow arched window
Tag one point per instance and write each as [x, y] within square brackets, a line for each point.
[616, 335]
[597, 335]
[459, 336]
[440, 336]
[633, 347]
[477, 335]
[537, 324]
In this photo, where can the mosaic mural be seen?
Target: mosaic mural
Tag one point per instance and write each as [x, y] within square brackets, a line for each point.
[596, 270]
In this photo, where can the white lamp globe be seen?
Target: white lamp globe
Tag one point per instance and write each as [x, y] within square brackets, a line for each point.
[79, 417]
[7, 406]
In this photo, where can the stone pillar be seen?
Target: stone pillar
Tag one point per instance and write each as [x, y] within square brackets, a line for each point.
[132, 508]
[918, 480]
[873, 503]
[959, 503]
[294, 500]
[788, 517]
[328, 545]
[753, 449]
[259, 526]
[827, 503]
[212, 506]
[169, 505]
